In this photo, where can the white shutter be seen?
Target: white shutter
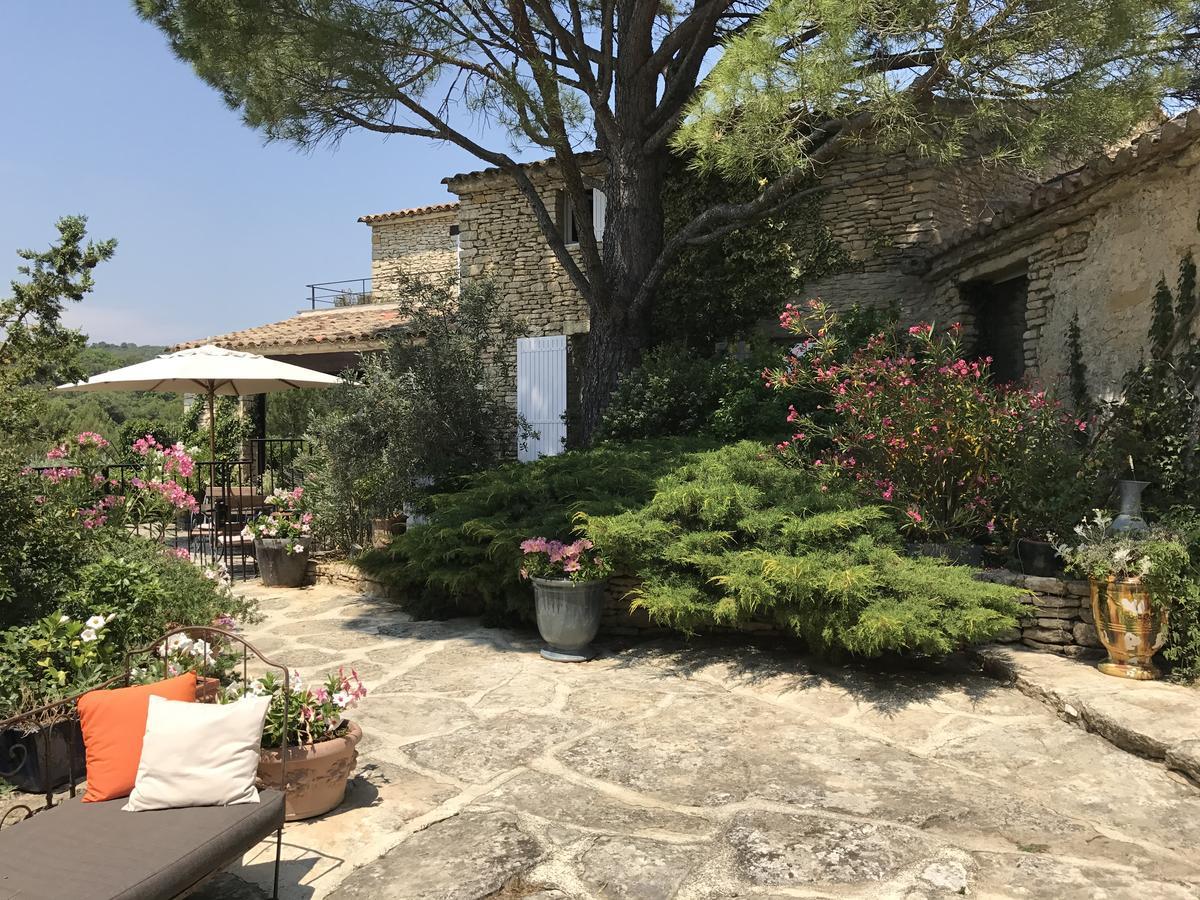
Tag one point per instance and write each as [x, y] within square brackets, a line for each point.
[542, 393]
[599, 207]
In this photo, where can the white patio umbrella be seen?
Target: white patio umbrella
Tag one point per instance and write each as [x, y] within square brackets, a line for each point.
[209, 370]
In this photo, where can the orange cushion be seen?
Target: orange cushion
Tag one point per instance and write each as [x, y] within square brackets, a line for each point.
[113, 724]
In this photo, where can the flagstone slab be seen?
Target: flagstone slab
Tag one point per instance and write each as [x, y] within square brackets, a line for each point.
[704, 771]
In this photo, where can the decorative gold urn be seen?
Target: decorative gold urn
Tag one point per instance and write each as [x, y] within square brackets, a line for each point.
[1129, 626]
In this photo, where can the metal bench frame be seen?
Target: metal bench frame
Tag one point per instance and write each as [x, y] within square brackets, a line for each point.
[65, 712]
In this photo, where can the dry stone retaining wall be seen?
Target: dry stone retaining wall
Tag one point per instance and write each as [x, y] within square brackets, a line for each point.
[1060, 614]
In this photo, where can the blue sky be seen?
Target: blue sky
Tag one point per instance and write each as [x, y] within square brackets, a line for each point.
[216, 230]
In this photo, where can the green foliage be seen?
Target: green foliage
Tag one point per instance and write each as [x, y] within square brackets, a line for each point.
[1154, 427]
[52, 657]
[140, 591]
[1040, 80]
[734, 536]
[468, 556]
[41, 546]
[430, 408]
[723, 289]
[676, 391]
[233, 428]
[1182, 649]
[909, 422]
[721, 537]
[36, 349]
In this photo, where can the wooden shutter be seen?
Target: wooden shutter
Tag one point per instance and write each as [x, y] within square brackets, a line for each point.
[599, 207]
[542, 393]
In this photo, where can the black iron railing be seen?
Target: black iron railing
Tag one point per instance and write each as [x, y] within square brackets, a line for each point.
[348, 292]
[229, 493]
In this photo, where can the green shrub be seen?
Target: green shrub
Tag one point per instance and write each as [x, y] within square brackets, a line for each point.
[1182, 649]
[676, 391]
[430, 408]
[149, 591]
[468, 556]
[735, 535]
[720, 536]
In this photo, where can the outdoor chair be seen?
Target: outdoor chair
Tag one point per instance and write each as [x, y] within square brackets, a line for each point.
[65, 849]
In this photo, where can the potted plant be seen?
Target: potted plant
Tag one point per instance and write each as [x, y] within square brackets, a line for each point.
[1134, 576]
[321, 742]
[282, 538]
[568, 589]
[49, 659]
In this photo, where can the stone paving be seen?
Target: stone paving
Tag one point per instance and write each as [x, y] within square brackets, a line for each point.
[662, 770]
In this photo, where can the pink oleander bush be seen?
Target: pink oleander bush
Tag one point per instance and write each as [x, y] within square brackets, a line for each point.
[916, 425]
[558, 560]
[75, 476]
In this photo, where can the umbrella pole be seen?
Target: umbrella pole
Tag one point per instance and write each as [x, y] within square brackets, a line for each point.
[212, 426]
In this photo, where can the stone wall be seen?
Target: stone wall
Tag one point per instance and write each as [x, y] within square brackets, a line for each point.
[1097, 252]
[889, 212]
[501, 241]
[411, 245]
[343, 574]
[1060, 614]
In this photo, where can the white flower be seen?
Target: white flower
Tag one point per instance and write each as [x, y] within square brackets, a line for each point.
[176, 642]
[1144, 566]
[234, 692]
[87, 635]
[342, 700]
[62, 619]
[1121, 557]
[256, 688]
[295, 682]
[201, 649]
[95, 622]
[299, 548]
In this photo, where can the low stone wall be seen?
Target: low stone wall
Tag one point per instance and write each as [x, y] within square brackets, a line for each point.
[1060, 618]
[341, 573]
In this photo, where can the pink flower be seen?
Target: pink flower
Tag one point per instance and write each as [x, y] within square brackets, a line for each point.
[915, 516]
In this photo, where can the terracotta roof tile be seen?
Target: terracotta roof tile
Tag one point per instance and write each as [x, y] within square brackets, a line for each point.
[374, 218]
[313, 330]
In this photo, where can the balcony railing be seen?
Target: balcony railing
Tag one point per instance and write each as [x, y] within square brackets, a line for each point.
[349, 292]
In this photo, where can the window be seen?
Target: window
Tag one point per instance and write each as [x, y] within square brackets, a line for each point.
[569, 218]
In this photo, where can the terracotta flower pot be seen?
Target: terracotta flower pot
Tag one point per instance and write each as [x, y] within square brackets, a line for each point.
[207, 689]
[1129, 627]
[384, 529]
[316, 774]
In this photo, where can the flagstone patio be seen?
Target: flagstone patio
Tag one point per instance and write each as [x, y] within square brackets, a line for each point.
[667, 771]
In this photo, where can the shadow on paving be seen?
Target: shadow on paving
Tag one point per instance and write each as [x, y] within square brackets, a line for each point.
[887, 685]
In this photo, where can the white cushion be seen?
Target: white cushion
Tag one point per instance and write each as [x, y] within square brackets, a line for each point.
[199, 754]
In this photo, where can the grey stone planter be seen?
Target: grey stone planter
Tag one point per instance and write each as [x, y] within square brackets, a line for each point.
[277, 566]
[568, 617]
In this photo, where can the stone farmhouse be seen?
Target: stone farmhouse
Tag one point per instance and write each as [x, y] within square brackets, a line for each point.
[1011, 256]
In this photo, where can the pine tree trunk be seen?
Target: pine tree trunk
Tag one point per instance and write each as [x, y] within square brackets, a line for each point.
[633, 238]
